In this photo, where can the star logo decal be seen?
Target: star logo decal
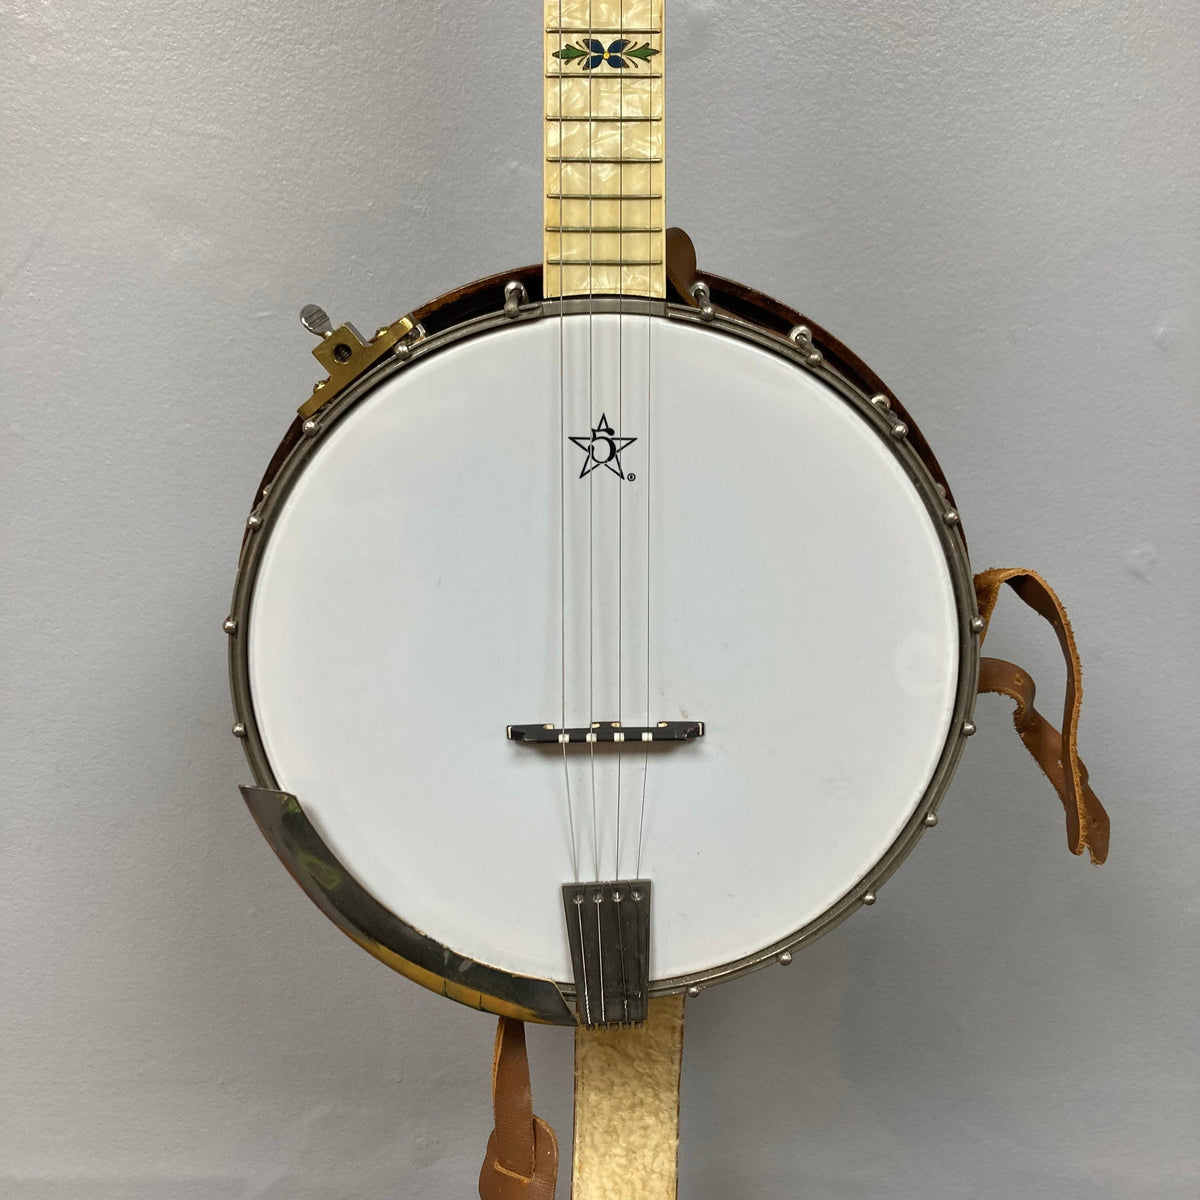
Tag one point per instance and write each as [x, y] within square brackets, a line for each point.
[603, 449]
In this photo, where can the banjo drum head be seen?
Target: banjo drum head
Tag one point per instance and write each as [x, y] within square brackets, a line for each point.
[595, 517]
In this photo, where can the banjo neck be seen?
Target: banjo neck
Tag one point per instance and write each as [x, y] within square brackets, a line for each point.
[604, 148]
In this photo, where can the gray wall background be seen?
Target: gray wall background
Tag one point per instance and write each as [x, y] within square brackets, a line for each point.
[995, 205]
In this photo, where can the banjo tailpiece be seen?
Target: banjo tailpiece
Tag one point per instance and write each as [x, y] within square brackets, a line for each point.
[608, 925]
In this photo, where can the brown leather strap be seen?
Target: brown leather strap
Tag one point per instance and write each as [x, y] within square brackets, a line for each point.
[522, 1153]
[1056, 753]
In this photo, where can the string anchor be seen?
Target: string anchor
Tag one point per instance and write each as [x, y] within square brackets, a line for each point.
[608, 927]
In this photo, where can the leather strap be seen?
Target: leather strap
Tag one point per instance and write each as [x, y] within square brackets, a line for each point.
[1056, 753]
[522, 1153]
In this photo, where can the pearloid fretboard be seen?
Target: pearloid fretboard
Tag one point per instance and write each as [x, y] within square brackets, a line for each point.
[604, 148]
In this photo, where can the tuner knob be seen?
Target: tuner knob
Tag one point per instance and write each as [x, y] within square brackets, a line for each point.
[316, 320]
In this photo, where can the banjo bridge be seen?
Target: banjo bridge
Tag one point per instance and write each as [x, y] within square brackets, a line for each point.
[608, 927]
[606, 731]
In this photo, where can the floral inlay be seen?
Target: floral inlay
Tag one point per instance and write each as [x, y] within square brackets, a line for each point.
[622, 53]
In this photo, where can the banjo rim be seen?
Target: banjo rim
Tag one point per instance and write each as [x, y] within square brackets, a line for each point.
[480, 308]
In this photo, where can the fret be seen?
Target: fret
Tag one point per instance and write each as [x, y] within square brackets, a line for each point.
[604, 262]
[608, 181]
[620, 196]
[590, 245]
[587, 158]
[612, 96]
[606, 142]
[565, 120]
[604, 149]
[578, 279]
[607, 29]
[594, 13]
[625, 76]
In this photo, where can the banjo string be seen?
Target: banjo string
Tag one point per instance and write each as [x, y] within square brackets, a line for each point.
[591, 295]
[562, 482]
[648, 475]
[620, 223]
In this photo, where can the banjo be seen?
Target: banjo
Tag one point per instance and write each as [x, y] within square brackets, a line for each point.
[605, 630]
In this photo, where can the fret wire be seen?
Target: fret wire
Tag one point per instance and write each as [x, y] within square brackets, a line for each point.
[583, 158]
[604, 262]
[622, 229]
[618, 74]
[557, 117]
[621, 196]
[608, 29]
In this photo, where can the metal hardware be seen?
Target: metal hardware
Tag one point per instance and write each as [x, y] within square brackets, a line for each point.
[594, 120]
[899, 430]
[623, 196]
[514, 296]
[239, 730]
[603, 262]
[801, 336]
[950, 516]
[584, 158]
[968, 728]
[606, 731]
[693, 990]
[931, 819]
[316, 320]
[702, 294]
[608, 927]
[868, 898]
[310, 428]
[597, 229]
[404, 346]
[604, 29]
[642, 77]
[345, 354]
[785, 958]
[881, 401]
[253, 521]
[978, 624]
[230, 626]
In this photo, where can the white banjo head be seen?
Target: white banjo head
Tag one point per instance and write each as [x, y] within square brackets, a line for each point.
[511, 530]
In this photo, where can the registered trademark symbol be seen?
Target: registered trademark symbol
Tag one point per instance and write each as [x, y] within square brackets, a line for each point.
[631, 477]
